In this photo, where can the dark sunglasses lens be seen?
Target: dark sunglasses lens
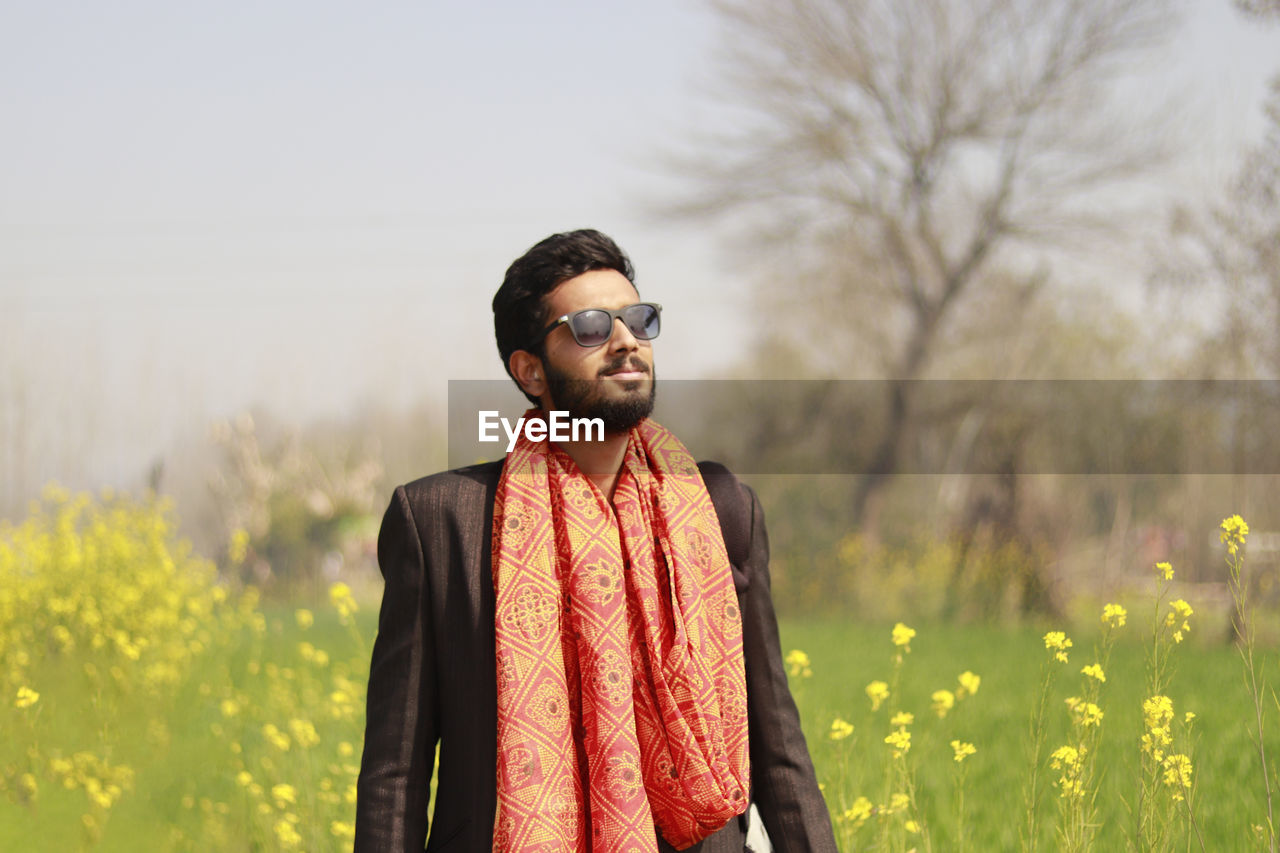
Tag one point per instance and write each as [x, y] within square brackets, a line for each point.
[591, 328]
[644, 321]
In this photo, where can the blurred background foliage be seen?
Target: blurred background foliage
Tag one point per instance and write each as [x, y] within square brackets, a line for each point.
[158, 705]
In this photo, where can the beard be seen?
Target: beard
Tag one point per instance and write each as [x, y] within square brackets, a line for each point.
[585, 398]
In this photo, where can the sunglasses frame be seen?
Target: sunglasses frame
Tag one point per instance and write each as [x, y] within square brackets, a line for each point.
[614, 317]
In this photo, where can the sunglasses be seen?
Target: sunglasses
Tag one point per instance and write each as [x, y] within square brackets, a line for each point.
[592, 327]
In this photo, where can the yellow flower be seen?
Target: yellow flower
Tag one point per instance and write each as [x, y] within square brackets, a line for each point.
[1058, 643]
[1114, 615]
[26, 698]
[1166, 570]
[898, 802]
[1070, 787]
[1234, 532]
[1157, 711]
[902, 635]
[943, 701]
[1188, 717]
[1064, 756]
[244, 778]
[62, 636]
[877, 692]
[840, 729]
[343, 830]
[340, 597]
[1086, 713]
[345, 701]
[1056, 640]
[968, 684]
[229, 707]
[911, 826]
[1177, 774]
[798, 664]
[238, 547]
[900, 740]
[287, 835]
[345, 749]
[304, 732]
[1157, 714]
[275, 737]
[1094, 670]
[902, 718]
[1154, 742]
[28, 786]
[305, 618]
[283, 793]
[859, 811]
[962, 750]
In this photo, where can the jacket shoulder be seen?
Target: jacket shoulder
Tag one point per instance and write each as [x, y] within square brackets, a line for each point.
[483, 476]
[462, 493]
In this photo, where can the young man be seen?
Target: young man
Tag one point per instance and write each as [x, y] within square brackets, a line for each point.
[585, 627]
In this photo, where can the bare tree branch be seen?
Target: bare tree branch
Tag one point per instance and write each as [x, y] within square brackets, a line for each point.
[910, 151]
[1262, 9]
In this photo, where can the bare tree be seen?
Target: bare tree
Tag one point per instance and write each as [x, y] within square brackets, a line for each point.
[902, 162]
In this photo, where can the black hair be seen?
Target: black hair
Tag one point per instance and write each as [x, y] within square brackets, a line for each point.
[518, 310]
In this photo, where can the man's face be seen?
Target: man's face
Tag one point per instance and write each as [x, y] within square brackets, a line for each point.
[613, 381]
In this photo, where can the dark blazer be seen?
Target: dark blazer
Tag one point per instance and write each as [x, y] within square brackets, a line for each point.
[432, 677]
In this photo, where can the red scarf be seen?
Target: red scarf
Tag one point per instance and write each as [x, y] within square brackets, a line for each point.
[621, 691]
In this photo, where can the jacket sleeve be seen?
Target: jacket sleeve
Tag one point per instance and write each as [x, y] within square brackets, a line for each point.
[401, 725]
[785, 788]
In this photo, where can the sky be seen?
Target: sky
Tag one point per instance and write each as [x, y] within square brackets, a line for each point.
[308, 206]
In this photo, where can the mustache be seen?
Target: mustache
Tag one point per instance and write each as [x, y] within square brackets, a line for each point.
[625, 362]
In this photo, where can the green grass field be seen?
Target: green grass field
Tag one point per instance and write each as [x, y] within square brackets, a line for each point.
[185, 794]
[1228, 796]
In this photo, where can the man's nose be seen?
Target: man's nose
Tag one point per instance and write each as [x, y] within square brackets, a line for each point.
[622, 339]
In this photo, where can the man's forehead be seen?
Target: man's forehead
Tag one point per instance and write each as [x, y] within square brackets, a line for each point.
[594, 289]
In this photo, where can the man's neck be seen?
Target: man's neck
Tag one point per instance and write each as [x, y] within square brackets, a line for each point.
[599, 460]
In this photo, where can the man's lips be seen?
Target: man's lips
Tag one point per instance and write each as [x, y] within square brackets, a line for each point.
[628, 374]
[627, 371]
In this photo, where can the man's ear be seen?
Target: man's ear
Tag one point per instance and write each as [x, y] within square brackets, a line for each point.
[528, 372]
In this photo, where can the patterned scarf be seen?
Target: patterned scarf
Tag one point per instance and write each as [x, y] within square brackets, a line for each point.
[621, 690]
